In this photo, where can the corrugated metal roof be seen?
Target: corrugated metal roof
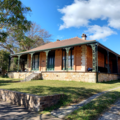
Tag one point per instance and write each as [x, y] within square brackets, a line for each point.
[58, 44]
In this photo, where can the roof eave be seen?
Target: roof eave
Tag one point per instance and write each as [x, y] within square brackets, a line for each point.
[108, 49]
[54, 48]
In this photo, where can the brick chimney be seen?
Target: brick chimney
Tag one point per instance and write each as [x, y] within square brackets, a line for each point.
[84, 36]
[57, 40]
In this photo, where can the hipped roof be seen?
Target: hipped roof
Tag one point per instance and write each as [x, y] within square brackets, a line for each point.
[62, 44]
[58, 44]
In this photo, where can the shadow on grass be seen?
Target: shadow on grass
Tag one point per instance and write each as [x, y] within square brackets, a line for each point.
[111, 82]
[93, 110]
[73, 95]
[6, 82]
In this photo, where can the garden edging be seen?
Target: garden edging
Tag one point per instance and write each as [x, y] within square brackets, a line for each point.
[29, 101]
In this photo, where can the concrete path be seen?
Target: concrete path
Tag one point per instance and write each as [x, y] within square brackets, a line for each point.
[13, 112]
[113, 113]
[62, 112]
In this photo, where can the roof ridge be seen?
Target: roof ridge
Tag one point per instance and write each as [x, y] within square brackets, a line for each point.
[70, 38]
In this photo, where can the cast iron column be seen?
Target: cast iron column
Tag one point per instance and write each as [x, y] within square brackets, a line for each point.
[108, 62]
[95, 59]
[18, 62]
[67, 54]
[9, 63]
[46, 58]
[117, 63]
[31, 59]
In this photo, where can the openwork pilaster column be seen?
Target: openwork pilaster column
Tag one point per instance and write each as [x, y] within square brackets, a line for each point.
[67, 55]
[47, 58]
[117, 63]
[18, 62]
[31, 59]
[108, 62]
[9, 63]
[95, 57]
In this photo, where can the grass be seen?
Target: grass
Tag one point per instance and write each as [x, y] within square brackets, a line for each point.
[95, 108]
[74, 91]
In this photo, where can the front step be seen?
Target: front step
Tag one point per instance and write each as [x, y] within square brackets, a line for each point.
[32, 76]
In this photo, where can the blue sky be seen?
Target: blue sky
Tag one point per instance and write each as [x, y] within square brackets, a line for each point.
[99, 19]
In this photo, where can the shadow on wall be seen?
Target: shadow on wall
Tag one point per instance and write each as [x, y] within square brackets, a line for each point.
[11, 75]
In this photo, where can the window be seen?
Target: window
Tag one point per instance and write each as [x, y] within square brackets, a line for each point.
[35, 62]
[64, 60]
[70, 60]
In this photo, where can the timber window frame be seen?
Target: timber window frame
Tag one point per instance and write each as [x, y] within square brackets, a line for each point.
[70, 60]
[35, 62]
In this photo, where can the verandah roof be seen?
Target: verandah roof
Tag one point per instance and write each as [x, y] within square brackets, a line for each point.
[58, 44]
[64, 43]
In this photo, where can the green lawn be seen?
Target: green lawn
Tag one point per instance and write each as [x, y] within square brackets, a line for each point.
[74, 91]
[96, 107]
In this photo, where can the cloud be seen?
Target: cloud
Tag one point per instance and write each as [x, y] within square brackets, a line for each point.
[98, 32]
[82, 11]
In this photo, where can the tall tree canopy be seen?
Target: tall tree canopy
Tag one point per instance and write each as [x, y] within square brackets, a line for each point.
[34, 37]
[12, 13]
[16, 32]
[4, 61]
[22, 41]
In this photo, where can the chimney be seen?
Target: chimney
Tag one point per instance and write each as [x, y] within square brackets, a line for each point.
[84, 36]
[57, 40]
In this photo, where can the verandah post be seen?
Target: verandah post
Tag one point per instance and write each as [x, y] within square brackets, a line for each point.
[108, 62]
[95, 59]
[31, 59]
[47, 58]
[18, 62]
[67, 51]
[117, 63]
[9, 63]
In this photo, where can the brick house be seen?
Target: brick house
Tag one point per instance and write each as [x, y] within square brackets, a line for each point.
[75, 59]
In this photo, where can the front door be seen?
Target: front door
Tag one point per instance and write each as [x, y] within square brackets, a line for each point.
[51, 61]
[35, 62]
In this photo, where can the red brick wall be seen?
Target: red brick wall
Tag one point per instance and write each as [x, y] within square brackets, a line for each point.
[58, 60]
[42, 61]
[100, 59]
[77, 58]
[89, 57]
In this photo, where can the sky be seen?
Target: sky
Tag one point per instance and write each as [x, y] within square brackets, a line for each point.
[64, 19]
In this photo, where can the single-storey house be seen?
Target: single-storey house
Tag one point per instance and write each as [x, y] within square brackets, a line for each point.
[75, 59]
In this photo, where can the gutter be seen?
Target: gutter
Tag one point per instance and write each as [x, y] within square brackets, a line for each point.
[53, 48]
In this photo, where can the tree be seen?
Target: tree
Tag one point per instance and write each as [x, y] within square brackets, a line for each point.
[4, 55]
[34, 37]
[12, 13]
[21, 41]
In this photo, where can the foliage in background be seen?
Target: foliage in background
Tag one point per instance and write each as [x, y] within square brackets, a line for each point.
[17, 34]
[34, 37]
[14, 64]
[12, 13]
[4, 61]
